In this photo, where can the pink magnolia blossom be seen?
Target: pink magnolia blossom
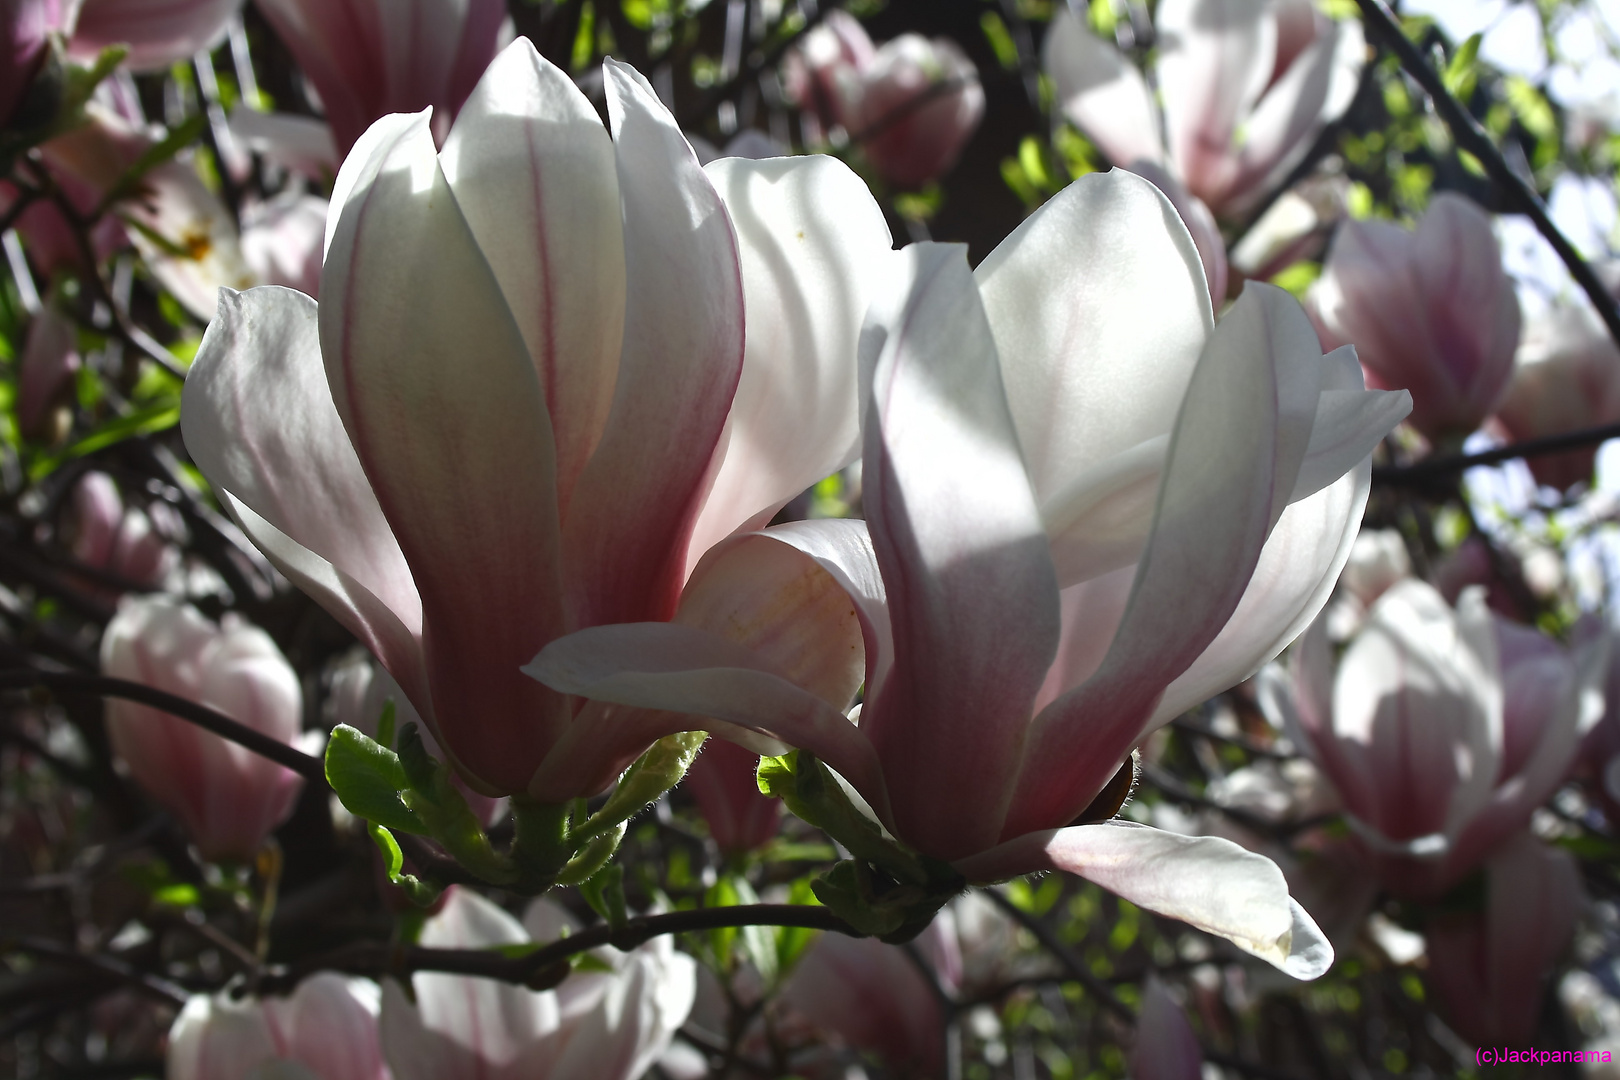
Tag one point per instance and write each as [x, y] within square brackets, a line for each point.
[369, 58]
[1165, 1047]
[227, 797]
[197, 249]
[1489, 968]
[1429, 310]
[1246, 85]
[525, 403]
[158, 32]
[326, 1030]
[1442, 729]
[723, 784]
[45, 376]
[124, 541]
[1567, 377]
[24, 27]
[1089, 507]
[912, 103]
[875, 998]
[600, 1025]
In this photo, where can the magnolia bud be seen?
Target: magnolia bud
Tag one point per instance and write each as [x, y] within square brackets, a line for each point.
[227, 797]
[1429, 310]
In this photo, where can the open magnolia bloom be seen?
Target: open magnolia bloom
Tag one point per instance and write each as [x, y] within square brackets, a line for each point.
[1442, 729]
[1088, 509]
[1247, 86]
[611, 1023]
[525, 403]
[325, 1030]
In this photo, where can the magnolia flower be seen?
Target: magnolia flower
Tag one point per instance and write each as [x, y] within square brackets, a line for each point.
[45, 376]
[912, 104]
[1378, 559]
[1429, 310]
[1165, 1048]
[124, 541]
[602, 1025]
[875, 998]
[185, 236]
[1489, 968]
[1246, 85]
[1068, 418]
[1442, 729]
[1567, 377]
[158, 32]
[369, 58]
[227, 797]
[24, 27]
[722, 783]
[525, 403]
[327, 1030]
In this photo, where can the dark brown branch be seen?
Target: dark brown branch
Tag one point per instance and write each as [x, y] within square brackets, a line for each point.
[546, 966]
[1477, 141]
[307, 766]
[152, 985]
[1437, 469]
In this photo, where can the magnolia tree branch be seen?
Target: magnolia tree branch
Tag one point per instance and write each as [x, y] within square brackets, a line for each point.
[1434, 470]
[548, 965]
[1477, 141]
[307, 766]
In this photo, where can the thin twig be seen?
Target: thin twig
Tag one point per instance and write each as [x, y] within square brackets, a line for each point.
[306, 765]
[152, 985]
[548, 965]
[1477, 141]
[1434, 469]
[1072, 964]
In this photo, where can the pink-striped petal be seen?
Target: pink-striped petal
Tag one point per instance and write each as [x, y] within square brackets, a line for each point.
[628, 526]
[812, 244]
[440, 400]
[533, 172]
[972, 594]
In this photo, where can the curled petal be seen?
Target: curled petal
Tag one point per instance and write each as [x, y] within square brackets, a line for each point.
[259, 422]
[1204, 881]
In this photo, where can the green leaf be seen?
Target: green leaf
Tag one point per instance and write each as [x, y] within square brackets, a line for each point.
[368, 779]
[605, 893]
[654, 773]
[1001, 42]
[1459, 75]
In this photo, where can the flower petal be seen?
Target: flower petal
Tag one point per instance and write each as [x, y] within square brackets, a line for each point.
[1234, 457]
[533, 172]
[812, 244]
[972, 594]
[443, 407]
[632, 514]
[1101, 92]
[1204, 881]
[1316, 89]
[1215, 59]
[259, 422]
[665, 670]
[1100, 311]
